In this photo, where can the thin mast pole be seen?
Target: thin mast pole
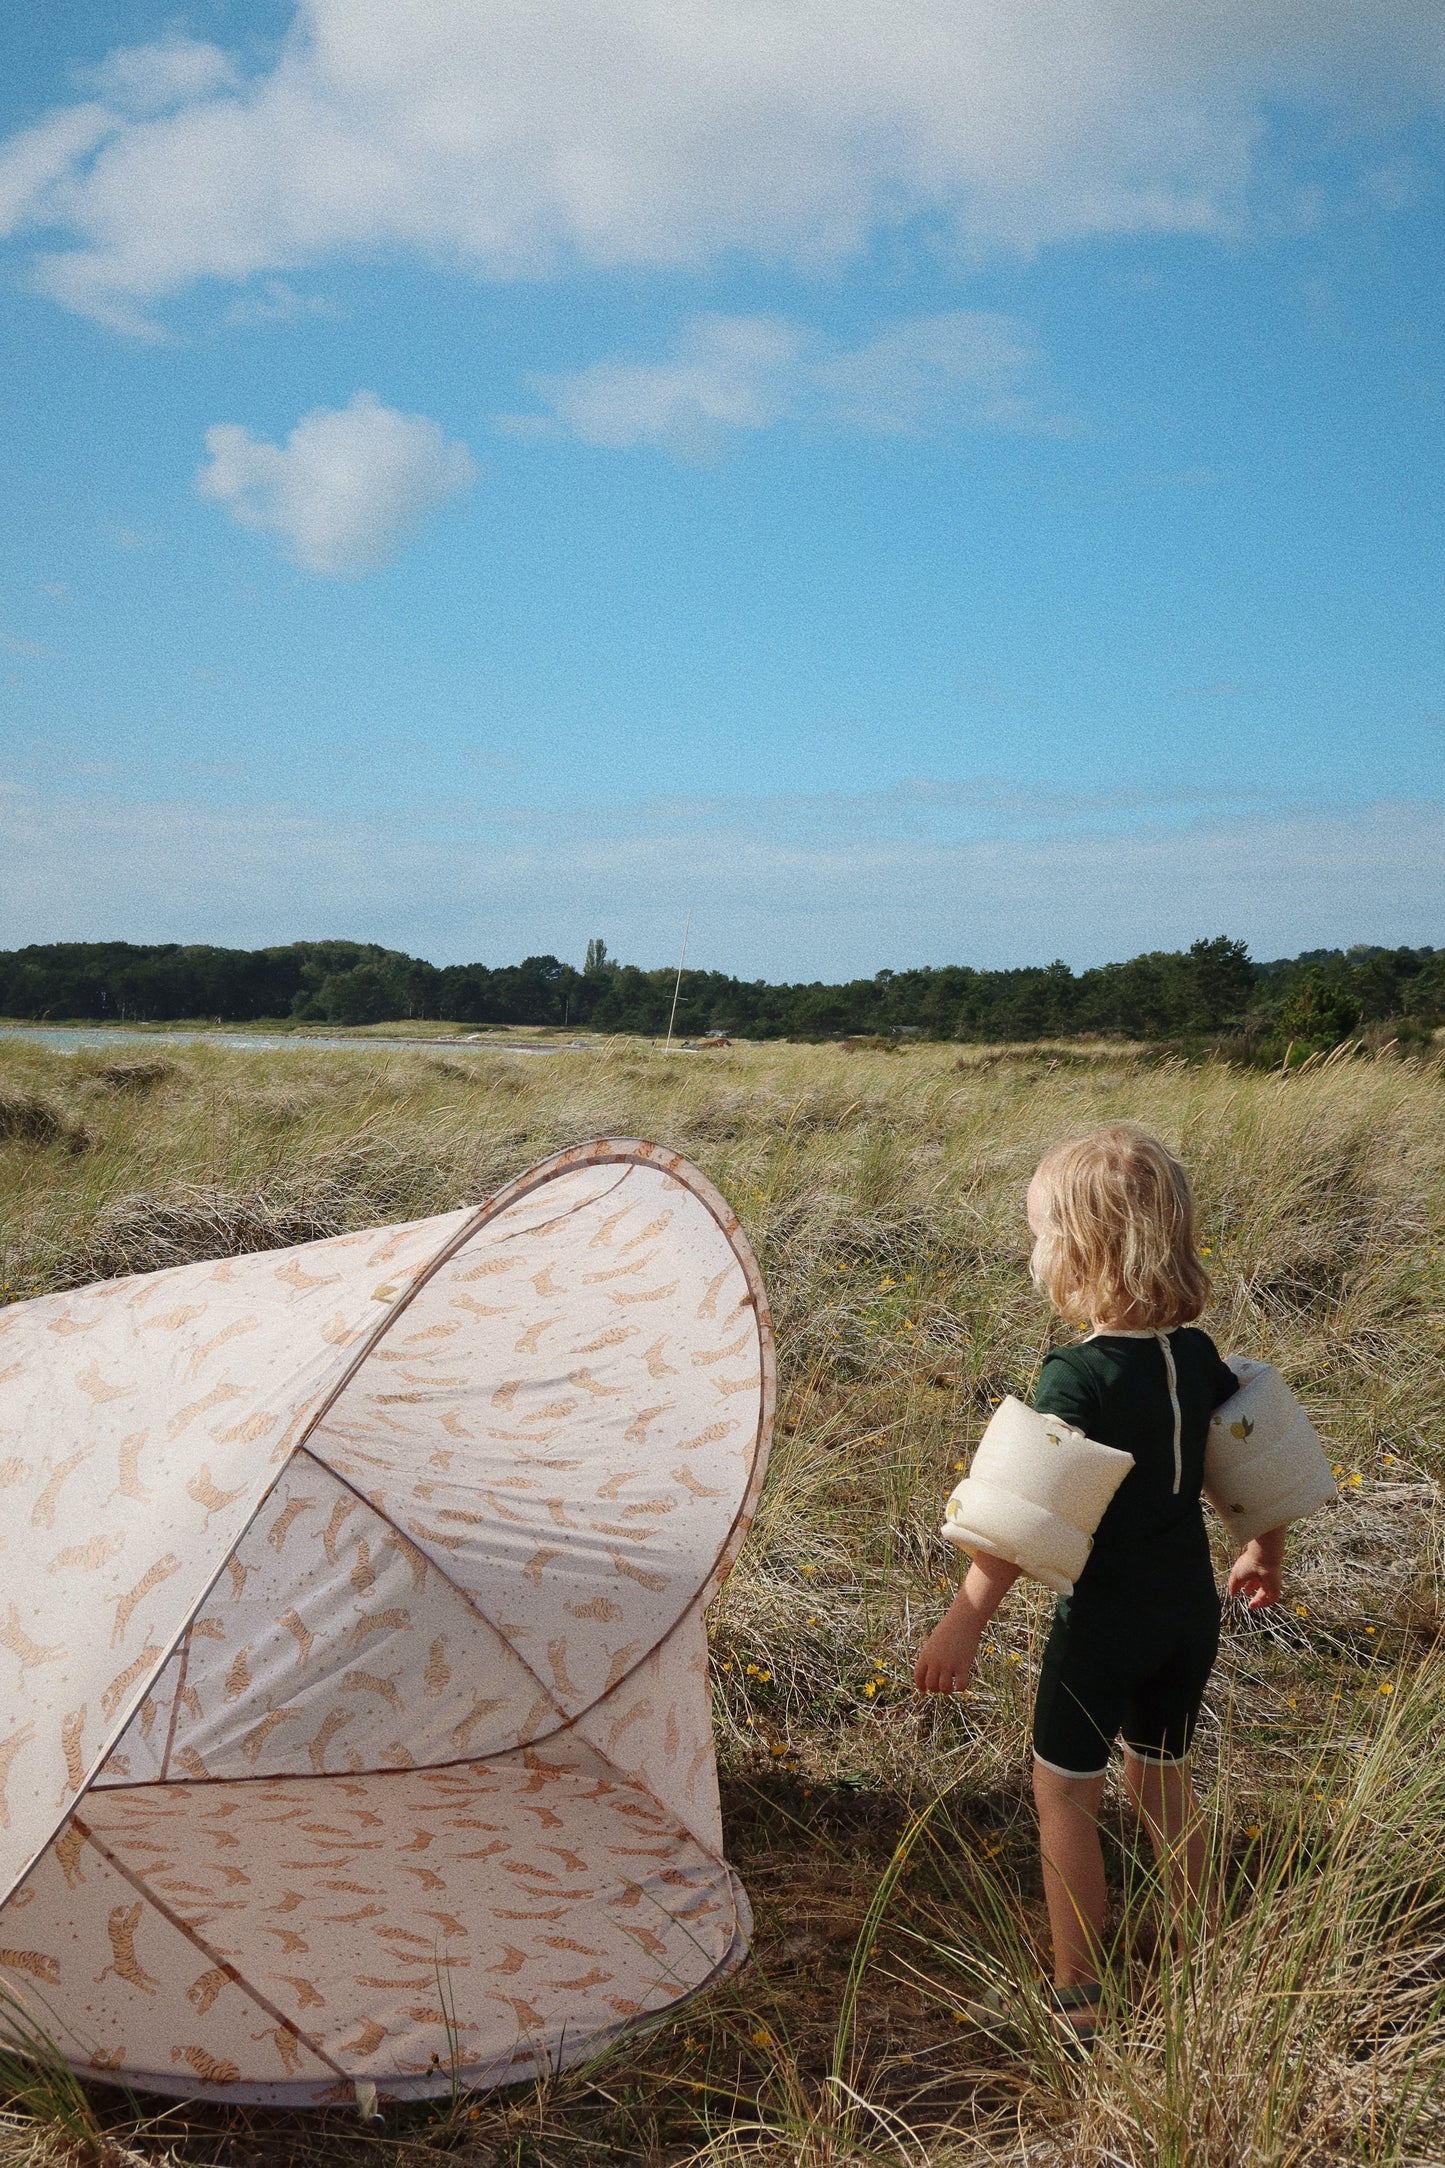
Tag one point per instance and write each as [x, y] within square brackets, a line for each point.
[677, 989]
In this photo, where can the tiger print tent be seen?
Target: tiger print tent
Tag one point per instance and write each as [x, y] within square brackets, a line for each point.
[356, 1728]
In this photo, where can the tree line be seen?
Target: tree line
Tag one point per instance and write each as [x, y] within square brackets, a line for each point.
[1213, 991]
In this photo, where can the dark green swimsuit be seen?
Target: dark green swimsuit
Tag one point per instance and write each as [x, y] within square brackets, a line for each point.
[1132, 1648]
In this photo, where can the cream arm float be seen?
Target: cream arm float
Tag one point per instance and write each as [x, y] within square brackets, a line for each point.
[1264, 1466]
[1034, 1494]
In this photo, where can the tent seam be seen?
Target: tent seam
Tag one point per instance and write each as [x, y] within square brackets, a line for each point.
[184, 1645]
[262, 2002]
[466, 1761]
[444, 1577]
[127, 1710]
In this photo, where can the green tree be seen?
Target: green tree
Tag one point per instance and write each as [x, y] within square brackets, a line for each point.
[1321, 1014]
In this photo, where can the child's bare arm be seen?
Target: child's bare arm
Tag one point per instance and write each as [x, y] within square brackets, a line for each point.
[945, 1662]
[1256, 1572]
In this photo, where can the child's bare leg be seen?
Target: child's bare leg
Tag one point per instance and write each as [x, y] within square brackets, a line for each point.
[1164, 1798]
[1073, 1871]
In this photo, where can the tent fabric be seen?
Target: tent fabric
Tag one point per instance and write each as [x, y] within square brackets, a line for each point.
[358, 1724]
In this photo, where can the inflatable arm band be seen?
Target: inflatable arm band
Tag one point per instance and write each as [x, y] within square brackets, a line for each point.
[1035, 1493]
[1263, 1464]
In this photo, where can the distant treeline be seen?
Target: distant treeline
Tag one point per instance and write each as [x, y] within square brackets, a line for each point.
[1212, 991]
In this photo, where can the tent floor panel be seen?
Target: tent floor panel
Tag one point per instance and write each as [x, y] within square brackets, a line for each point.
[279, 1939]
[570, 2050]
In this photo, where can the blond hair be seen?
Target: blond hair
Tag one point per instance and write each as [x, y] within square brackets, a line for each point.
[1118, 1242]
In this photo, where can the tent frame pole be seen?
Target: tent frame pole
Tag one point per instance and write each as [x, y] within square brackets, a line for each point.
[677, 989]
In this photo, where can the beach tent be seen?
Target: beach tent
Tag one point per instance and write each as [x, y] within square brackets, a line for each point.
[355, 1727]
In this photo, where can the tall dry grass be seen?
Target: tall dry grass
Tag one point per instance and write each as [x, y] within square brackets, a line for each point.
[888, 1844]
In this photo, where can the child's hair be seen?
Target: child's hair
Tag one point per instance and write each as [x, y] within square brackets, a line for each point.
[1118, 1240]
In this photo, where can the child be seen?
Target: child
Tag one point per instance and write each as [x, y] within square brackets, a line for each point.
[1131, 1650]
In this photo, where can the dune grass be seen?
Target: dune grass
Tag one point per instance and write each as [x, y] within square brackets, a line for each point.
[888, 1844]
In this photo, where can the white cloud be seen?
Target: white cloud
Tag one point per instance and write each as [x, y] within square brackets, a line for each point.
[143, 79]
[347, 488]
[747, 372]
[37, 164]
[830, 896]
[725, 372]
[965, 365]
[277, 303]
[507, 139]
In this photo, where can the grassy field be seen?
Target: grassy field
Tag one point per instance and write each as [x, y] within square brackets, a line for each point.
[889, 1845]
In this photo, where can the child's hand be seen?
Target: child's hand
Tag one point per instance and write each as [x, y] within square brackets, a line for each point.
[945, 1661]
[1256, 1572]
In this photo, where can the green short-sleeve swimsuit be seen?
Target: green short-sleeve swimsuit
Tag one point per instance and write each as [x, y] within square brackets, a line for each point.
[1131, 1650]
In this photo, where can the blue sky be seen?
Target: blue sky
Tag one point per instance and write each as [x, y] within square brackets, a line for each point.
[911, 483]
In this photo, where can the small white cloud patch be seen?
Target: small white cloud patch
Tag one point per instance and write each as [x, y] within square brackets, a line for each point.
[965, 368]
[348, 487]
[138, 80]
[726, 372]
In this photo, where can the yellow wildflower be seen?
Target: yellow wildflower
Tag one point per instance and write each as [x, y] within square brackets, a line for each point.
[1386, 1687]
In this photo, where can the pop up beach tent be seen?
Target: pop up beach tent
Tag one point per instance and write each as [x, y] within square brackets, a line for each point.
[355, 1727]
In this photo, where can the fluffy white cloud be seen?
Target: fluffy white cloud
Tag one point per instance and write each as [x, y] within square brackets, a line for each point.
[746, 372]
[346, 489]
[512, 139]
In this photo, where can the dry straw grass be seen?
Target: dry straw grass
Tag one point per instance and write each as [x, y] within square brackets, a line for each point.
[888, 1845]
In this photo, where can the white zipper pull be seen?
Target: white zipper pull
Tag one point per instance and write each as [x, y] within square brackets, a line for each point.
[1163, 1340]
